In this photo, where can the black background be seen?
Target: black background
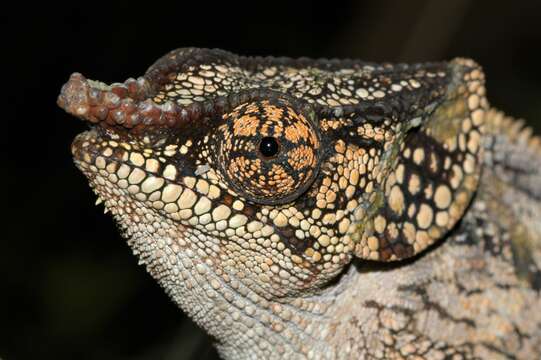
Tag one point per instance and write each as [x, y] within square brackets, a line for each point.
[70, 288]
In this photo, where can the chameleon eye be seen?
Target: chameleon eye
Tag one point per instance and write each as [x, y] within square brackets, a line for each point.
[267, 151]
[269, 147]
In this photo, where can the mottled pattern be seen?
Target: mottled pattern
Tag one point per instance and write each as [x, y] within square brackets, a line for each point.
[323, 208]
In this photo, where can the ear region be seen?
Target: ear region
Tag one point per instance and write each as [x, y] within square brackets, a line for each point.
[432, 174]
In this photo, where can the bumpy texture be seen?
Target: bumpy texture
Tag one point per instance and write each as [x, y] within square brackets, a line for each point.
[322, 208]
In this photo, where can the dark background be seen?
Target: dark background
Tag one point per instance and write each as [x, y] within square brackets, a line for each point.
[70, 287]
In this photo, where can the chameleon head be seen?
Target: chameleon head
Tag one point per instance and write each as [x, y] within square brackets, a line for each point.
[267, 177]
[229, 187]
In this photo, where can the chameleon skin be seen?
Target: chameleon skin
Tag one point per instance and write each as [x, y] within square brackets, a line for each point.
[396, 215]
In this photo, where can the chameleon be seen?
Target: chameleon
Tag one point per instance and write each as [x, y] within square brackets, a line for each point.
[323, 209]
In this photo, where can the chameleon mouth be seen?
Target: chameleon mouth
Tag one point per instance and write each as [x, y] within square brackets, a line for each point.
[121, 175]
[112, 154]
[90, 144]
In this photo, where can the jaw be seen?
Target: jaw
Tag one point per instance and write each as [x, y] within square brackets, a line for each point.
[203, 274]
[195, 269]
[86, 146]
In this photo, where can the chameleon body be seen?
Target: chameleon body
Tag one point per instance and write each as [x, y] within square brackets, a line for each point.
[323, 209]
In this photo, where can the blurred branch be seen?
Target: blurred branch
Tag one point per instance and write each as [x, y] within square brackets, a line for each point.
[433, 30]
[395, 31]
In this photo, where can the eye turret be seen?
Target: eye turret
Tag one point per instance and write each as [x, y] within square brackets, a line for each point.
[267, 151]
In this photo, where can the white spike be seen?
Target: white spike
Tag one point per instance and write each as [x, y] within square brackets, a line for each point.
[99, 200]
[105, 210]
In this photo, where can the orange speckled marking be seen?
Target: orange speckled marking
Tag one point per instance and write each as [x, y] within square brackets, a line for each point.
[245, 125]
[301, 156]
[272, 112]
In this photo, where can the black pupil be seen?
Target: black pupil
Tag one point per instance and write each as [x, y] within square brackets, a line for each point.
[268, 146]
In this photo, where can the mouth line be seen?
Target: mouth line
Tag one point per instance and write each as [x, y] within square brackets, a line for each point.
[99, 152]
[90, 144]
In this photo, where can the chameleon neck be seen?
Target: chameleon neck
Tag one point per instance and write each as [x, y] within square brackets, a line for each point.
[433, 306]
[244, 322]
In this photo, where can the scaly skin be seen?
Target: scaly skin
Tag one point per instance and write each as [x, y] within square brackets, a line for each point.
[324, 209]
